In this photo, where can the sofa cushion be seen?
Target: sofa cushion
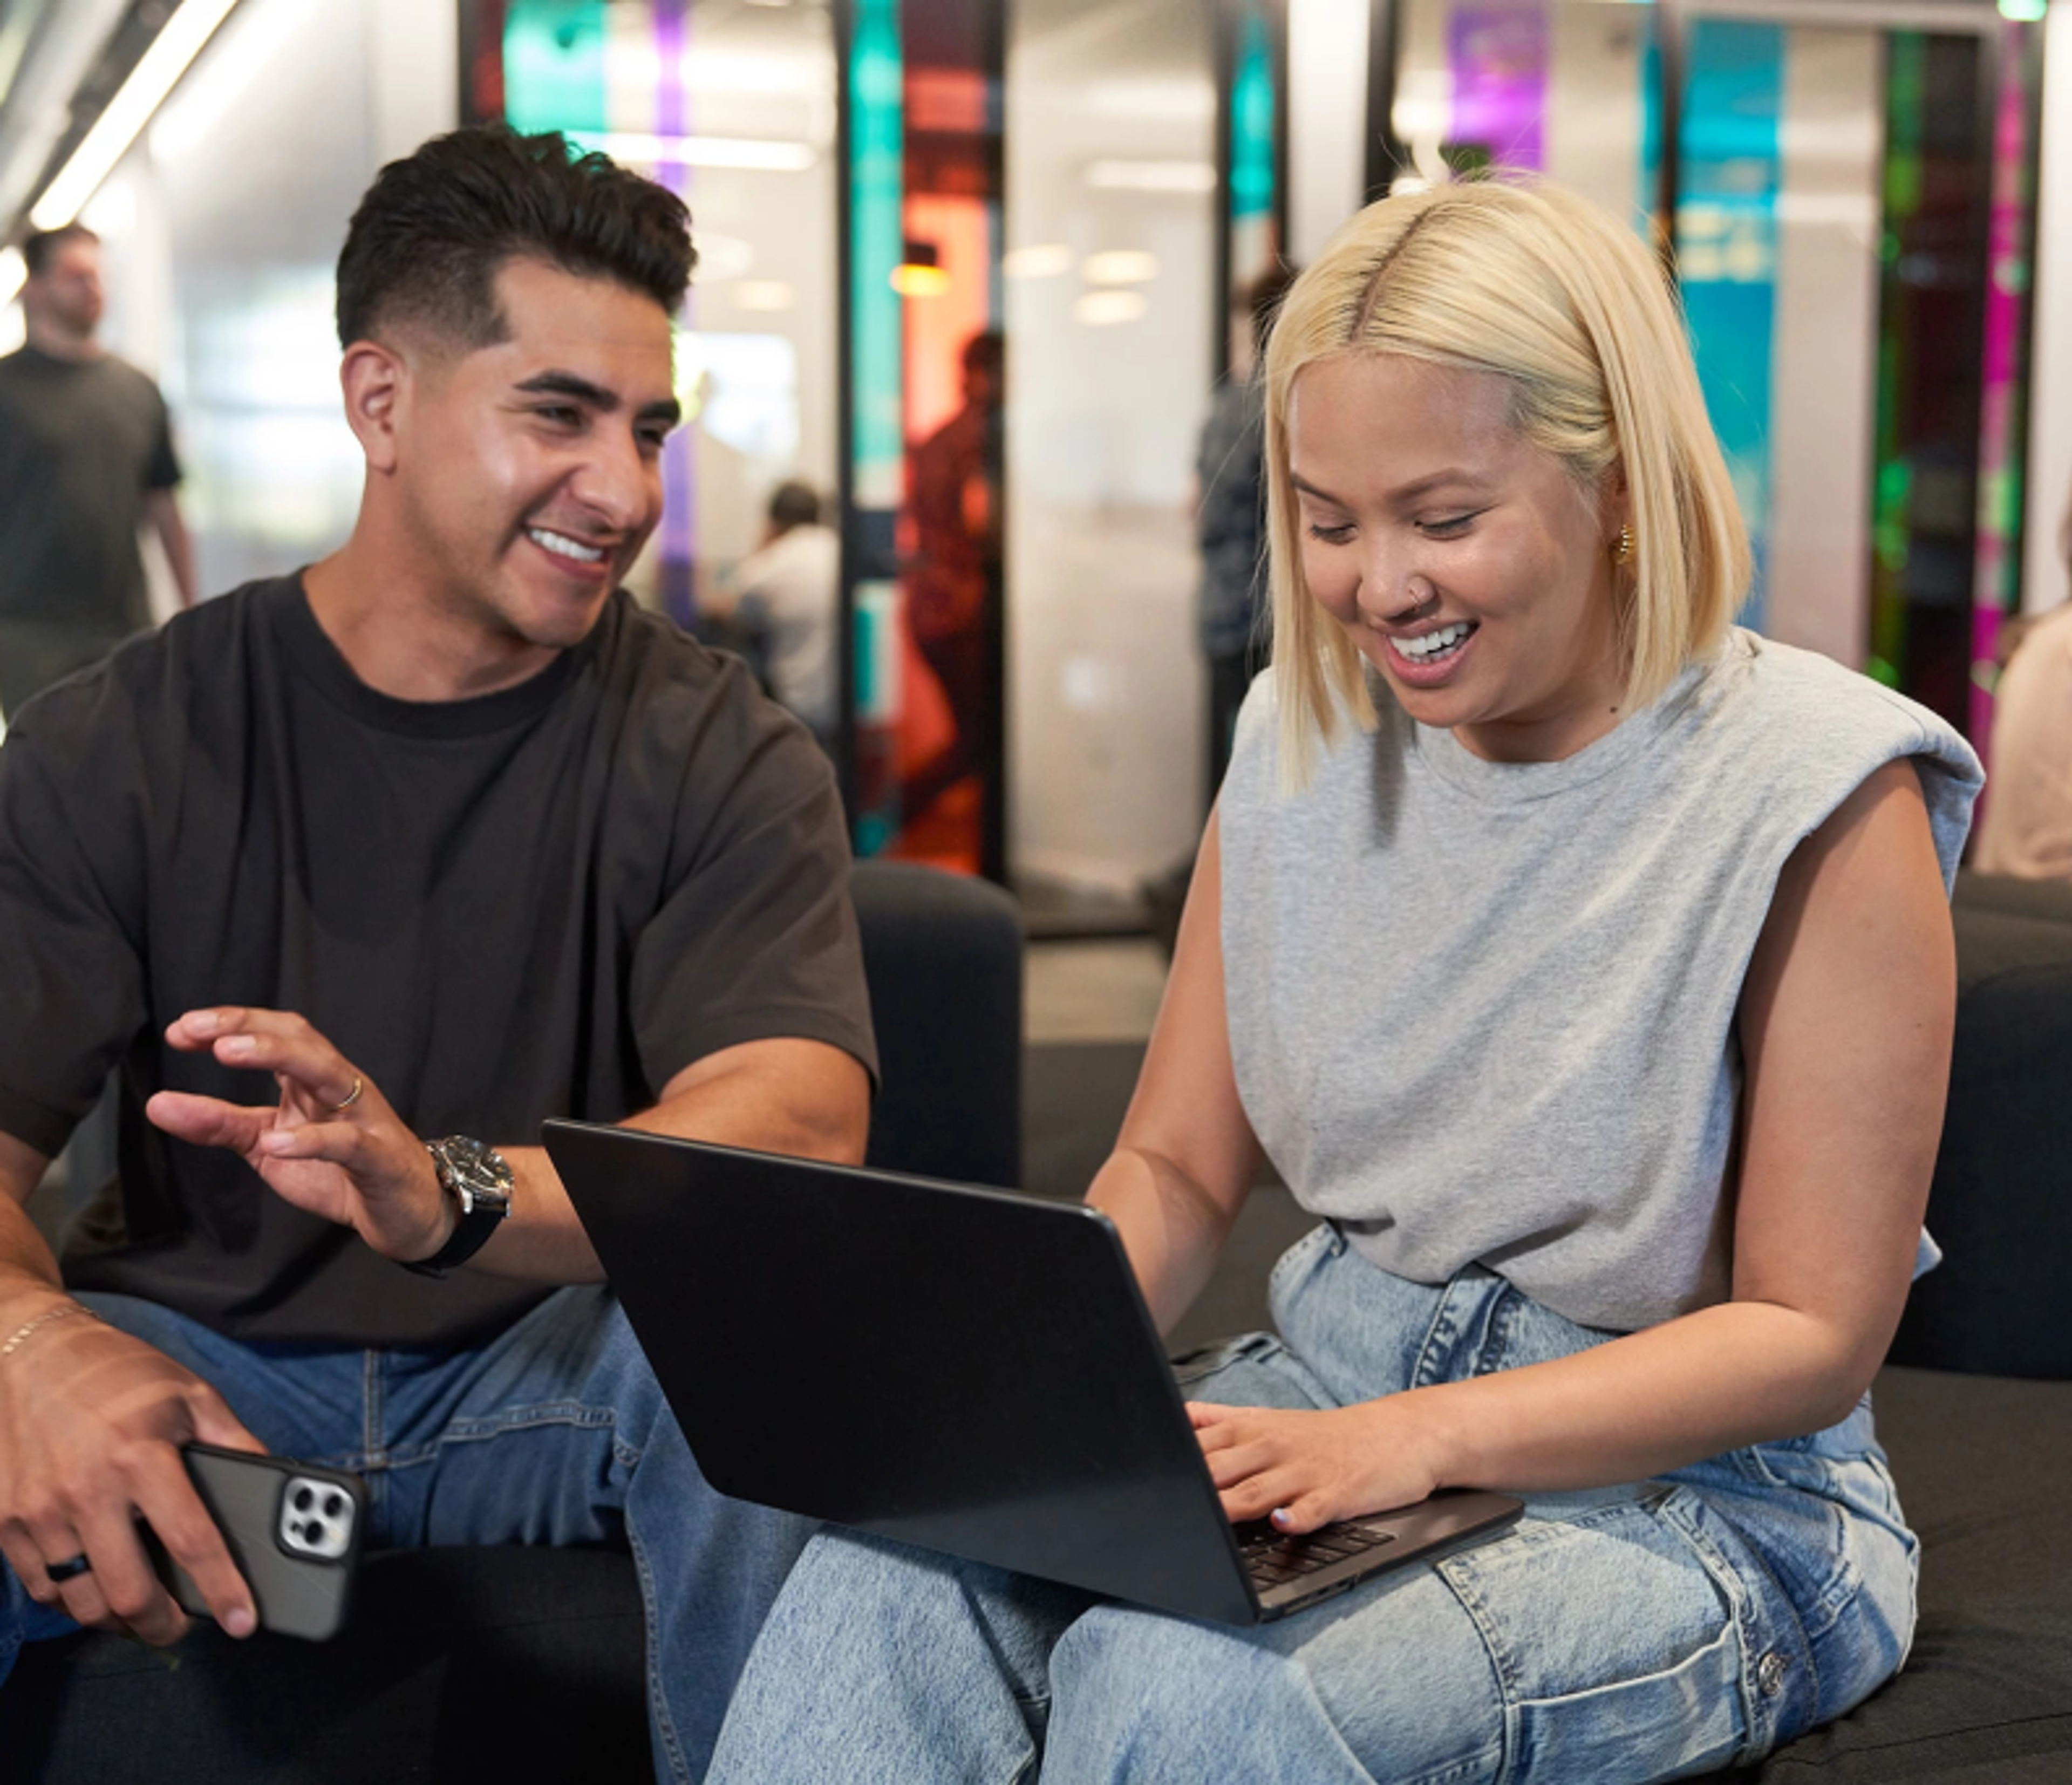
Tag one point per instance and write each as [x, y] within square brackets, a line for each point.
[1986, 1698]
[453, 1664]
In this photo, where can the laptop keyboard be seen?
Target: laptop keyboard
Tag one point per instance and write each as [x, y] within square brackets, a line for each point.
[1273, 1560]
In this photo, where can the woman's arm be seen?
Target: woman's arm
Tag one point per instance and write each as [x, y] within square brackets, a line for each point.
[1845, 1024]
[1186, 1158]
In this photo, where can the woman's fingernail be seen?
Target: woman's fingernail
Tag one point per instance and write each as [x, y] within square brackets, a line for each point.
[277, 1139]
[240, 1622]
[202, 1023]
[1281, 1515]
[235, 1047]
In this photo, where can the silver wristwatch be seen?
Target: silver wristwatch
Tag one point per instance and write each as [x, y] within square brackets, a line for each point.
[478, 1177]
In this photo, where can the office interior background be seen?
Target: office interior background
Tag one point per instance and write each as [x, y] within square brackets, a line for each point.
[1867, 205]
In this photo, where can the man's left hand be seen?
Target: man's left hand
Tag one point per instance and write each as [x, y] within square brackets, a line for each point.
[331, 1144]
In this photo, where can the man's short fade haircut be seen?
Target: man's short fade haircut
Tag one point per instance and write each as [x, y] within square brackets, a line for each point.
[40, 249]
[426, 244]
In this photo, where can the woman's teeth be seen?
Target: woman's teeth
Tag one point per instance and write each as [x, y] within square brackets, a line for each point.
[1424, 648]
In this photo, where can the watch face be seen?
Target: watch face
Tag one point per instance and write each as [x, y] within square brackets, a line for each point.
[477, 1174]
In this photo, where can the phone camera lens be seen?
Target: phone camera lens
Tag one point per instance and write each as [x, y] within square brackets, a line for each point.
[301, 1533]
[304, 1500]
[334, 1504]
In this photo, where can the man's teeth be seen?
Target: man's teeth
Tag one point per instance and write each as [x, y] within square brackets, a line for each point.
[566, 546]
[1431, 645]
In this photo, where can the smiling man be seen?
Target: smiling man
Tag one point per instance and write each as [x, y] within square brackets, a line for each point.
[355, 876]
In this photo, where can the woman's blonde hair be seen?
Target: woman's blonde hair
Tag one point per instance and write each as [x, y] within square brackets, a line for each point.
[1526, 281]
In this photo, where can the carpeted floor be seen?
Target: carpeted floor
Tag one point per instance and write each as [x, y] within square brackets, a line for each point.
[1073, 1099]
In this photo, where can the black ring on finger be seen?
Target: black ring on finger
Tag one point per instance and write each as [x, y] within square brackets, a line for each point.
[70, 1569]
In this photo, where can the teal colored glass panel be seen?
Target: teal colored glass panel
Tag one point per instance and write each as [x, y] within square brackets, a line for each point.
[1726, 247]
[1252, 123]
[877, 183]
[554, 65]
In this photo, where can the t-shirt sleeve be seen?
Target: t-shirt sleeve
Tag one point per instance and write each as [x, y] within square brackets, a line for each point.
[756, 938]
[161, 470]
[72, 977]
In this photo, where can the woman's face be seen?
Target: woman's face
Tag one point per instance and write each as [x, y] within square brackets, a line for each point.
[1462, 562]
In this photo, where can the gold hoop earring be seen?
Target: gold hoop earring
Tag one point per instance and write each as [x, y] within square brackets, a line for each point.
[1622, 547]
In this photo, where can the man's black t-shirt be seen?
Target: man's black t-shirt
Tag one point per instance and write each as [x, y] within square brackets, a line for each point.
[547, 901]
[82, 443]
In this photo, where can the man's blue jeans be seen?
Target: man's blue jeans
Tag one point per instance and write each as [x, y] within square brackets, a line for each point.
[555, 1432]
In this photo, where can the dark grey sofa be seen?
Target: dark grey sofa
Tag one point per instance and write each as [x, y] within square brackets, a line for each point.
[525, 1665]
[1976, 1405]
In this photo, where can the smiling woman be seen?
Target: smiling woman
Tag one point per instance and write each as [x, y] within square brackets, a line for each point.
[1583, 963]
[1563, 369]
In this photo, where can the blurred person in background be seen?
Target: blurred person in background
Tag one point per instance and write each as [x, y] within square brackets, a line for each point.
[782, 599]
[1229, 525]
[86, 458]
[952, 598]
[2026, 827]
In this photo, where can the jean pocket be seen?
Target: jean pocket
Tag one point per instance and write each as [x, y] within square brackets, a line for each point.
[1322, 1242]
[1617, 1642]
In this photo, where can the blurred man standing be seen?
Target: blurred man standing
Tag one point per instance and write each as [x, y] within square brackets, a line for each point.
[86, 458]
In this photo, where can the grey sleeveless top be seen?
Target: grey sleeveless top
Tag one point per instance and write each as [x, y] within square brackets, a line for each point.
[1484, 1012]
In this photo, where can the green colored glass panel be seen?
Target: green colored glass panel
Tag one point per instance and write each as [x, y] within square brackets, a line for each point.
[877, 186]
[1252, 123]
[554, 65]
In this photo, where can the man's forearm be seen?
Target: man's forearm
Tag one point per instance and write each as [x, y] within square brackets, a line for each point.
[817, 1108]
[172, 531]
[28, 1268]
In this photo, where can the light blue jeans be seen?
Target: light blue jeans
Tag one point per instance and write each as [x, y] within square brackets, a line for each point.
[1654, 1630]
[553, 1433]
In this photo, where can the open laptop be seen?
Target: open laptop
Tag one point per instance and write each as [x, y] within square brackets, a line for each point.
[970, 1370]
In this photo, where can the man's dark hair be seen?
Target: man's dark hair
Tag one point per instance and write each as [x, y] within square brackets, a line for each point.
[434, 230]
[985, 351]
[41, 248]
[793, 504]
[1261, 300]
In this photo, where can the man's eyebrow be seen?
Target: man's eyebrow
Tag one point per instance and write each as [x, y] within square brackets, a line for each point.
[567, 384]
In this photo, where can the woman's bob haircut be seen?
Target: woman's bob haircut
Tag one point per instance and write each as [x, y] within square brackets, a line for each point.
[1522, 280]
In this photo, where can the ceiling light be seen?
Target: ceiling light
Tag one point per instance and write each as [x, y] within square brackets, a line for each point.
[179, 41]
[757, 154]
[187, 122]
[2022, 12]
[1045, 261]
[1103, 309]
[770, 295]
[1120, 266]
[14, 274]
[919, 273]
[1151, 176]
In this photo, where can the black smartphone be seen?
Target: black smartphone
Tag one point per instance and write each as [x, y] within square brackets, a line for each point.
[293, 1529]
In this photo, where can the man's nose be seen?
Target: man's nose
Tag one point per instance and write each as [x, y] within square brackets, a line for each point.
[618, 481]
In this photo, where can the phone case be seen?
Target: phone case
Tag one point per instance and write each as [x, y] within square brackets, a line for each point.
[293, 1529]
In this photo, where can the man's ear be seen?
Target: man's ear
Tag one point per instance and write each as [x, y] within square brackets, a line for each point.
[375, 382]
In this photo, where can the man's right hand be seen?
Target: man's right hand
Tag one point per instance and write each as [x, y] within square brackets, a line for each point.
[91, 1424]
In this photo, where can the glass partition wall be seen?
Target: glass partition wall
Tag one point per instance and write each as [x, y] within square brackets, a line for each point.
[1848, 200]
[970, 268]
[732, 107]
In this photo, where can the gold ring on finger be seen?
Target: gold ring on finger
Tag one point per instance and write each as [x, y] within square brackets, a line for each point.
[350, 1097]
